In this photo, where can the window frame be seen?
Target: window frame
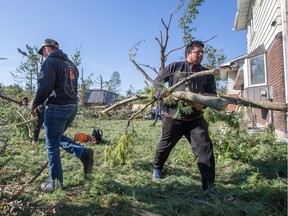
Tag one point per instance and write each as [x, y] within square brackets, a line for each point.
[264, 67]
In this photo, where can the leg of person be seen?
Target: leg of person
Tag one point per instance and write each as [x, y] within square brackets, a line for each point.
[79, 151]
[38, 126]
[55, 119]
[172, 131]
[203, 150]
[155, 119]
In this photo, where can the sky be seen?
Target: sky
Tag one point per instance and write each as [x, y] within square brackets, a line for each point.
[105, 31]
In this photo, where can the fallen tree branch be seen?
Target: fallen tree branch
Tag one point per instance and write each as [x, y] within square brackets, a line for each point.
[278, 106]
[170, 89]
[198, 74]
[207, 100]
[139, 111]
[25, 122]
[21, 190]
[144, 96]
[133, 98]
[216, 102]
[10, 99]
[221, 102]
[38, 173]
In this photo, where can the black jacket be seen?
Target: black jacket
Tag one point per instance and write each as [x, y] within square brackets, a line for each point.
[175, 72]
[57, 81]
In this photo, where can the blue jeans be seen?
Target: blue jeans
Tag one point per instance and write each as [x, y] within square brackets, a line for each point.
[56, 120]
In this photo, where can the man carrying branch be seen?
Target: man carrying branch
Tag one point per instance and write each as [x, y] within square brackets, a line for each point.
[186, 118]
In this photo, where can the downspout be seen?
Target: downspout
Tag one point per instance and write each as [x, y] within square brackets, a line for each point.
[285, 50]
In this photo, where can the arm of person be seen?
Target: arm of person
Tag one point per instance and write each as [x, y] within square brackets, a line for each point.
[46, 82]
[159, 82]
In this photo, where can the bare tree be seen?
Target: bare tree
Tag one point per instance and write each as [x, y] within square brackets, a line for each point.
[162, 41]
[99, 80]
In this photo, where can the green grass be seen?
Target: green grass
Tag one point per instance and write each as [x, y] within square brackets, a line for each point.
[249, 181]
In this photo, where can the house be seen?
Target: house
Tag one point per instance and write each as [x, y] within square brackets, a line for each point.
[99, 97]
[262, 73]
[232, 72]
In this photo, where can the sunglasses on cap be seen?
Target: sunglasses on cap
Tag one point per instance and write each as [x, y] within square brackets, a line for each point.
[197, 42]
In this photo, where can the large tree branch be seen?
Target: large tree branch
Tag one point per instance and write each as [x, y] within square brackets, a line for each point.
[207, 100]
[142, 96]
[10, 99]
[132, 59]
[216, 102]
[148, 66]
[133, 98]
[198, 74]
[173, 50]
[256, 104]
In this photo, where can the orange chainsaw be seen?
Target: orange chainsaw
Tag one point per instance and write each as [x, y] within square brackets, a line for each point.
[84, 138]
[96, 137]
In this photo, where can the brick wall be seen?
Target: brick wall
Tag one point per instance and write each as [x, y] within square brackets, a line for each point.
[275, 79]
[232, 107]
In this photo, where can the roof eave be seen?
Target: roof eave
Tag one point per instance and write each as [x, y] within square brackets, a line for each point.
[241, 17]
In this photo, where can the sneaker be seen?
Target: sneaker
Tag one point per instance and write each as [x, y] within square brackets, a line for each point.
[156, 174]
[87, 160]
[47, 187]
[34, 144]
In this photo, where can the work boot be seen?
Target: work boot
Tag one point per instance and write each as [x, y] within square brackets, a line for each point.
[87, 160]
[34, 144]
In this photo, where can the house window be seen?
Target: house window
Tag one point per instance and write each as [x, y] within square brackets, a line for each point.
[257, 70]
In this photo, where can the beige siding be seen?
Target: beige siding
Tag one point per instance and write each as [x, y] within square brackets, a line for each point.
[287, 12]
[264, 13]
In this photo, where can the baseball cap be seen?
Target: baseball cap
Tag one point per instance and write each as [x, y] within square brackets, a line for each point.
[48, 42]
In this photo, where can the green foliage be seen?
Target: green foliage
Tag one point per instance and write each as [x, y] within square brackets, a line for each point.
[189, 14]
[76, 57]
[233, 120]
[150, 91]
[119, 152]
[114, 83]
[257, 186]
[185, 108]
[28, 71]
[11, 113]
[231, 138]
[213, 57]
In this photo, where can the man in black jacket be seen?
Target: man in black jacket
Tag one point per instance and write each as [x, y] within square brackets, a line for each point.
[176, 122]
[57, 87]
